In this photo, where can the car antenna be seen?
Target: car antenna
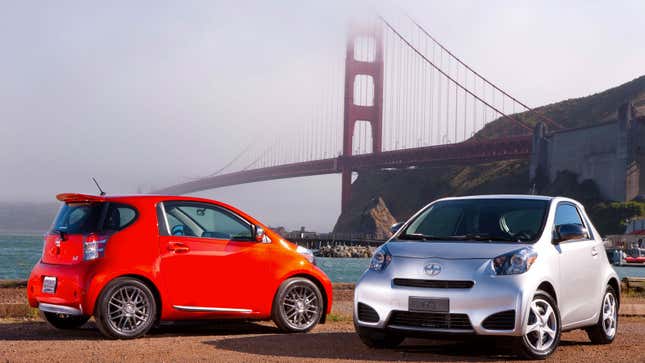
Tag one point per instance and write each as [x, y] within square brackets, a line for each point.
[102, 193]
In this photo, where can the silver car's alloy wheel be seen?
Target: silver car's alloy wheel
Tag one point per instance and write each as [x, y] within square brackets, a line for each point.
[128, 309]
[609, 315]
[300, 307]
[542, 326]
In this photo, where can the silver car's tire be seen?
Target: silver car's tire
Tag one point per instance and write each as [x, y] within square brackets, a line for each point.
[541, 328]
[376, 338]
[125, 309]
[606, 328]
[297, 306]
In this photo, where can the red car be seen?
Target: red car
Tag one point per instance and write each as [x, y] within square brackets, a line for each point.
[133, 261]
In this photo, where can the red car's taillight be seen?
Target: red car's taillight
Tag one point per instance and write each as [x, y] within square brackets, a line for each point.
[94, 246]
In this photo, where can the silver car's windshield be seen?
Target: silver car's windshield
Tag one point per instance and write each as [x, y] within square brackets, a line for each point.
[485, 220]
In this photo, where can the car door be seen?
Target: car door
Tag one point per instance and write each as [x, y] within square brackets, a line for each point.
[578, 259]
[209, 259]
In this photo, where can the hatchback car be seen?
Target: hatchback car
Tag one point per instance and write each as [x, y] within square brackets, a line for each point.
[133, 261]
[526, 267]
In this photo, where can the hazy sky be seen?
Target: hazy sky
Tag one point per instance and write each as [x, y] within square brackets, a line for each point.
[151, 93]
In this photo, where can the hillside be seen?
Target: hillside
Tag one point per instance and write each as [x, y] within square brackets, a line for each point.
[577, 112]
[405, 191]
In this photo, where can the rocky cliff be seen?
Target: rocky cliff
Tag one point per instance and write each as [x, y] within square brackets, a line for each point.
[367, 217]
[381, 197]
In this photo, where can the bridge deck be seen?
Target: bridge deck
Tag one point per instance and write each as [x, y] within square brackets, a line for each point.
[518, 147]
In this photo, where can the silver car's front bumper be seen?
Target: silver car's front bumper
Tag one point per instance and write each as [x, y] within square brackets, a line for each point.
[490, 294]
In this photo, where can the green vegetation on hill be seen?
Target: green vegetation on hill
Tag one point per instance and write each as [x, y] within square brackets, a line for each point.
[407, 190]
[403, 192]
[613, 217]
[577, 112]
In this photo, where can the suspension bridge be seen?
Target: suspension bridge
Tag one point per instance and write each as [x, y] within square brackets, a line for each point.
[403, 99]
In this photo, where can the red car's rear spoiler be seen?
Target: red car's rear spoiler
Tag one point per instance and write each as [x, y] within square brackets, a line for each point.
[79, 198]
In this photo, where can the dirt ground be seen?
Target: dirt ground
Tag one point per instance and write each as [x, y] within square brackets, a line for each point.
[32, 340]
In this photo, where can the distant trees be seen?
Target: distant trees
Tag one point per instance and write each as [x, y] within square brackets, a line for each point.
[613, 217]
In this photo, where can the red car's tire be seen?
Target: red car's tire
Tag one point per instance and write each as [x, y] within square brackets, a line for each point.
[297, 306]
[125, 309]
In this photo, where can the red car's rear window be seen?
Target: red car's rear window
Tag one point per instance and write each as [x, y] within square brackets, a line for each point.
[84, 218]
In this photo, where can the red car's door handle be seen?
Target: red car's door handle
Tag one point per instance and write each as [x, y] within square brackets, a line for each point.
[177, 247]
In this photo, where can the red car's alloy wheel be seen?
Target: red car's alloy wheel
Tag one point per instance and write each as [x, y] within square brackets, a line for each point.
[128, 309]
[298, 305]
[301, 306]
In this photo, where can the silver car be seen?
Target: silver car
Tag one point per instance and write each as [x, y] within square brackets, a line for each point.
[527, 267]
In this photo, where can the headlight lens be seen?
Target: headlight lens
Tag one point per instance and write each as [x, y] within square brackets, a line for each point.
[380, 259]
[516, 262]
[307, 253]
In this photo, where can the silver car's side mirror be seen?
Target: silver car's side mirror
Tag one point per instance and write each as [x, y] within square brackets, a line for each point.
[568, 232]
[396, 226]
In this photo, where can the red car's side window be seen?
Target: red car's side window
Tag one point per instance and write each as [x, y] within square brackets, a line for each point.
[204, 220]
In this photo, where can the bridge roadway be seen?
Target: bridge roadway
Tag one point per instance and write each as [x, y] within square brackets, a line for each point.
[470, 151]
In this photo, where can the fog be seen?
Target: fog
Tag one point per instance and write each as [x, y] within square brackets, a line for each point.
[146, 94]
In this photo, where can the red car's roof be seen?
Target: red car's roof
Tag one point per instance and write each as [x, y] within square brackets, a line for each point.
[153, 198]
[79, 197]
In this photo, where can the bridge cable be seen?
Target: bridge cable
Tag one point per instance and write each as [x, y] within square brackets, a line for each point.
[520, 123]
[236, 158]
[543, 117]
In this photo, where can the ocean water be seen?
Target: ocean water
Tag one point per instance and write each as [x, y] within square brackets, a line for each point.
[18, 254]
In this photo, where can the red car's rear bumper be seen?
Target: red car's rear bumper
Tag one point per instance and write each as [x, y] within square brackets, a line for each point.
[71, 288]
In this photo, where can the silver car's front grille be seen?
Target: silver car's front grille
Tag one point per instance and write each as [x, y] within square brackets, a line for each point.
[410, 319]
[434, 284]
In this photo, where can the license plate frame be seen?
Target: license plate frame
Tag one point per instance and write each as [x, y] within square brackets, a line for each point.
[49, 284]
[420, 304]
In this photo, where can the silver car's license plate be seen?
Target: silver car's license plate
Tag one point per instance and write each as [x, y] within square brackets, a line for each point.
[428, 304]
[49, 285]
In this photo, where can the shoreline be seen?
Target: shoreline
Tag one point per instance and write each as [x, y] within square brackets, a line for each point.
[23, 233]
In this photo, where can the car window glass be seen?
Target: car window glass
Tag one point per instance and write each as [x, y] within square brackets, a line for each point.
[479, 219]
[521, 220]
[567, 214]
[202, 220]
[118, 217]
[177, 227]
[93, 217]
[78, 218]
[440, 221]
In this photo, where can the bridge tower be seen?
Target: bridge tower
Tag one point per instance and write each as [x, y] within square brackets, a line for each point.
[367, 64]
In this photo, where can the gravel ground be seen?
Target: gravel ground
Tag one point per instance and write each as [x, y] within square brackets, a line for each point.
[34, 341]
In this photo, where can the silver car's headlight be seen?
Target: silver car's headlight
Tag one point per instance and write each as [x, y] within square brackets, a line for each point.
[307, 253]
[515, 262]
[380, 259]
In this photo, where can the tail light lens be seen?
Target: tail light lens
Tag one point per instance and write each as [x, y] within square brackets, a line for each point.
[94, 246]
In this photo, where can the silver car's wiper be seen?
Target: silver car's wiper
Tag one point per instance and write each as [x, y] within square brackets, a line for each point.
[426, 237]
[483, 237]
[420, 237]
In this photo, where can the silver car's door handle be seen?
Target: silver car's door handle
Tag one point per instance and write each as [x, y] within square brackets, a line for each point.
[594, 251]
